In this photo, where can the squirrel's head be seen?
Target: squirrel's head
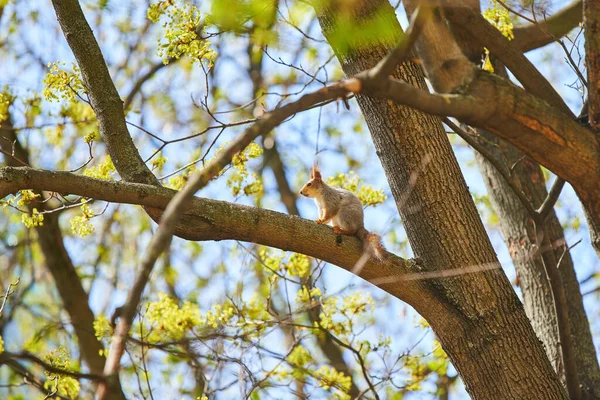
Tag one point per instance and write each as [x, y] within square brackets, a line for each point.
[314, 185]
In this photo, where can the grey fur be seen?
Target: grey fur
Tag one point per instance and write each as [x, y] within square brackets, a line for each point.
[345, 208]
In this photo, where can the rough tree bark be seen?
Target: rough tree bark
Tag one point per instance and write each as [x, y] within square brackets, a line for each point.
[519, 235]
[484, 330]
[517, 224]
[519, 230]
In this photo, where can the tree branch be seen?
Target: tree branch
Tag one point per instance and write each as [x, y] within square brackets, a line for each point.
[444, 62]
[534, 35]
[105, 99]
[548, 136]
[137, 86]
[481, 30]
[551, 199]
[219, 220]
[48, 367]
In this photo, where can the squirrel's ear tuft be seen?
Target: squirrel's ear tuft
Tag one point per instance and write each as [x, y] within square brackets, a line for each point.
[316, 172]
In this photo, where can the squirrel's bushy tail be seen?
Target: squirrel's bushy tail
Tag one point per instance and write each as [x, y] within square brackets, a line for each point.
[372, 244]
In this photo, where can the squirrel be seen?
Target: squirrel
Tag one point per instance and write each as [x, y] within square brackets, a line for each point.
[345, 210]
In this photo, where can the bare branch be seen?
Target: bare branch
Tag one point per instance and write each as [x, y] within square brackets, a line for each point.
[137, 86]
[551, 199]
[534, 35]
[48, 367]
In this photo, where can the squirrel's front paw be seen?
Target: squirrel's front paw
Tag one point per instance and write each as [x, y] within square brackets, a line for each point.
[319, 221]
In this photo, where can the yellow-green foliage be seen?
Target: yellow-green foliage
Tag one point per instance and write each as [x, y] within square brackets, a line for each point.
[61, 84]
[183, 28]
[340, 319]
[346, 36]
[170, 320]
[237, 15]
[101, 171]
[487, 63]
[177, 182]
[303, 366]
[6, 100]
[305, 295]
[102, 327]
[33, 107]
[330, 378]
[80, 224]
[499, 17]
[90, 137]
[35, 219]
[417, 371]
[439, 363]
[367, 194]
[300, 357]
[159, 161]
[62, 384]
[298, 265]
[26, 197]
[241, 181]
[103, 331]
[1, 345]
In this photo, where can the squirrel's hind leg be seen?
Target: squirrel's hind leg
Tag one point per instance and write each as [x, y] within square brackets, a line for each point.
[340, 231]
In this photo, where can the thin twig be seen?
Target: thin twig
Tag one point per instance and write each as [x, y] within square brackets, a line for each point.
[551, 199]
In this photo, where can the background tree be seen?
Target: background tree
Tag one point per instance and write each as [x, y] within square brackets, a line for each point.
[238, 99]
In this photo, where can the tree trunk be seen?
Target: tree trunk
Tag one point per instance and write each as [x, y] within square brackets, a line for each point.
[480, 322]
[519, 235]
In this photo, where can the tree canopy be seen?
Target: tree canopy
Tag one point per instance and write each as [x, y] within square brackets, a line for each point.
[153, 243]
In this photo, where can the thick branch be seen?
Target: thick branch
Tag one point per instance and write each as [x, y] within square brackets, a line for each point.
[534, 35]
[103, 95]
[481, 30]
[548, 136]
[492, 160]
[445, 65]
[219, 220]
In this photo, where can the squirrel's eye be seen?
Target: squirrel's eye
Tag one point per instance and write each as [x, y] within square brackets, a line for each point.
[310, 184]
